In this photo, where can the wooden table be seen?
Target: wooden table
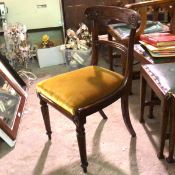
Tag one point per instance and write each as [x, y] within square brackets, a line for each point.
[172, 134]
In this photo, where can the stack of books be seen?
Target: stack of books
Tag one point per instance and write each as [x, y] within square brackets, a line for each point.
[159, 44]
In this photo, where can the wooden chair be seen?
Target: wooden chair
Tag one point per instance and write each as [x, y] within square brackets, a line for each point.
[155, 8]
[145, 9]
[160, 77]
[80, 93]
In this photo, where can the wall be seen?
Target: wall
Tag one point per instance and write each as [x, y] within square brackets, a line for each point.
[35, 14]
[34, 17]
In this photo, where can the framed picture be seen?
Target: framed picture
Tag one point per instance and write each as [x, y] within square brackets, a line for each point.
[12, 101]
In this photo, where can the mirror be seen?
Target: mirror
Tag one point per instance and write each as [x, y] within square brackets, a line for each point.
[9, 102]
[12, 101]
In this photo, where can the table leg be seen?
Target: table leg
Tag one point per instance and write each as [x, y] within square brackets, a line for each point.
[163, 126]
[142, 98]
[172, 131]
[151, 107]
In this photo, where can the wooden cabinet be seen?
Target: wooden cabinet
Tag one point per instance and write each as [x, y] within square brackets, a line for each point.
[73, 10]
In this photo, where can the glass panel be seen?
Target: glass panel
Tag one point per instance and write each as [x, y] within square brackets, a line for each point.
[9, 102]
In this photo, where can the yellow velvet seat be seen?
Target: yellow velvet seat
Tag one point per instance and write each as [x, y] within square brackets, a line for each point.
[80, 88]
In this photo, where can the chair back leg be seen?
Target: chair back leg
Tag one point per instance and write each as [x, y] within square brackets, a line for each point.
[103, 114]
[125, 114]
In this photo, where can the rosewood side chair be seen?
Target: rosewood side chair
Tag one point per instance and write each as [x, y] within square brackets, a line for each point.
[80, 93]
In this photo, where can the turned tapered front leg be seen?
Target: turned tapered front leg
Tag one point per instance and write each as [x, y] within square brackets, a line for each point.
[46, 117]
[82, 145]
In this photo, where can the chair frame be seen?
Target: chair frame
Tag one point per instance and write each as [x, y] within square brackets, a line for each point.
[95, 14]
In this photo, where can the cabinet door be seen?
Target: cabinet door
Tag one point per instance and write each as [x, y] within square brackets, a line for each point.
[73, 12]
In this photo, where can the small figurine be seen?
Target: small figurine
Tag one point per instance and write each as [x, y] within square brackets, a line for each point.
[84, 35]
[81, 39]
[77, 44]
[46, 43]
[71, 39]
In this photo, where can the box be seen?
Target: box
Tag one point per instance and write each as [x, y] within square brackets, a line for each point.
[50, 56]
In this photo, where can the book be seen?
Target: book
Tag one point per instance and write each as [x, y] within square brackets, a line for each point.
[158, 39]
[158, 49]
[156, 52]
[142, 50]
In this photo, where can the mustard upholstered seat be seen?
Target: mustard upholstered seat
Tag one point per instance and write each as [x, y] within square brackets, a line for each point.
[80, 88]
[82, 92]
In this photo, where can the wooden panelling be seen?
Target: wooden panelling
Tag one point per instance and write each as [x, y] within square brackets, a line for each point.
[73, 10]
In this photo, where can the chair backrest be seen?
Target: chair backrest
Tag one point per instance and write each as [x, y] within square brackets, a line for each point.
[156, 8]
[130, 17]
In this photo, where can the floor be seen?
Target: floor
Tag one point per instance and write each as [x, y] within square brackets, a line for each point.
[110, 148]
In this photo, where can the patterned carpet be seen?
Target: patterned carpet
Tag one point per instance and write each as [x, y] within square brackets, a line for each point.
[110, 149]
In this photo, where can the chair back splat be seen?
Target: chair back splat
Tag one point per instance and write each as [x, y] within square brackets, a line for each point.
[82, 92]
[99, 14]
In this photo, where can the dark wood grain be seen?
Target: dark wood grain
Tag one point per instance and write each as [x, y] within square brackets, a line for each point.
[73, 10]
